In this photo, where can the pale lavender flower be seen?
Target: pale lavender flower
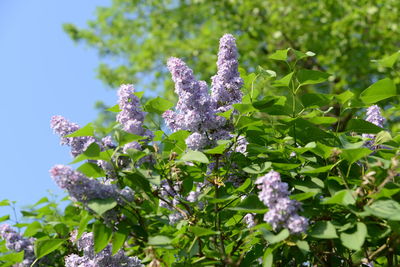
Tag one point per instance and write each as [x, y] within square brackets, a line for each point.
[80, 187]
[249, 220]
[225, 88]
[62, 127]
[194, 110]
[175, 217]
[18, 243]
[196, 141]
[282, 210]
[102, 259]
[107, 142]
[373, 116]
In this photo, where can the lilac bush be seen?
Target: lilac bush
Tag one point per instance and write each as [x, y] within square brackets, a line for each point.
[246, 178]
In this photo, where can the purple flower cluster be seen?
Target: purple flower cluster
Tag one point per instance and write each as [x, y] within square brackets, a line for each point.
[373, 116]
[225, 88]
[131, 117]
[196, 109]
[282, 210]
[62, 127]
[81, 188]
[102, 259]
[249, 220]
[15, 242]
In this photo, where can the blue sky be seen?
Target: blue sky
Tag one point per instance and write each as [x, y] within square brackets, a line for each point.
[43, 73]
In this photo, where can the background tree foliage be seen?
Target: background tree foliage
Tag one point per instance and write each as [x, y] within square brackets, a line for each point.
[140, 35]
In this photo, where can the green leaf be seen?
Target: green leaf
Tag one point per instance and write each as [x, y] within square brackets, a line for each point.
[311, 170]
[378, 91]
[216, 150]
[46, 246]
[86, 130]
[33, 228]
[383, 137]
[272, 239]
[311, 76]
[5, 202]
[159, 240]
[12, 258]
[251, 204]
[354, 240]
[353, 155]
[227, 114]
[303, 246]
[342, 197]
[94, 152]
[195, 156]
[4, 218]
[299, 55]
[100, 206]
[280, 55]
[323, 120]
[137, 181]
[124, 138]
[244, 108]
[158, 105]
[139, 94]
[362, 126]
[302, 196]
[118, 241]
[345, 96]
[323, 230]
[386, 209]
[258, 168]
[102, 235]
[114, 108]
[201, 231]
[91, 169]
[388, 61]
[285, 81]
[315, 100]
[268, 258]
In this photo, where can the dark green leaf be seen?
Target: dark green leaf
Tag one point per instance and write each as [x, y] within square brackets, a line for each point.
[362, 126]
[118, 241]
[272, 239]
[251, 204]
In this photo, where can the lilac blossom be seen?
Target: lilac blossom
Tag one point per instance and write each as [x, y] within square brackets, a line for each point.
[83, 189]
[193, 110]
[225, 88]
[102, 259]
[373, 116]
[62, 127]
[131, 117]
[282, 210]
[249, 220]
[17, 243]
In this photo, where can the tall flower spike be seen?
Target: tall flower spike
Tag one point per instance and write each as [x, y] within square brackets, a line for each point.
[282, 210]
[373, 116]
[62, 127]
[131, 117]
[80, 187]
[225, 88]
[194, 111]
